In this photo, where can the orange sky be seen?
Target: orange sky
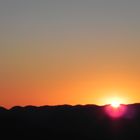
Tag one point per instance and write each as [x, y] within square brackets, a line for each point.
[65, 54]
[69, 75]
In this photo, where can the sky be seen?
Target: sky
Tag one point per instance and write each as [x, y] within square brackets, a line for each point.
[69, 52]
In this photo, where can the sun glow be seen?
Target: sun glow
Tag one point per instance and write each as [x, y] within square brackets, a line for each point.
[115, 104]
[116, 108]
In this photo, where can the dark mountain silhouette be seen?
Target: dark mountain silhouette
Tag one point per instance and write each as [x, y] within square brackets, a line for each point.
[88, 122]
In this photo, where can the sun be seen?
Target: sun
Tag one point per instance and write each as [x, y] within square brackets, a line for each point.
[115, 107]
[115, 104]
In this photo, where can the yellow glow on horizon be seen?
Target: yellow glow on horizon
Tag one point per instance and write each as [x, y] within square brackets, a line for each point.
[114, 97]
[115, 104]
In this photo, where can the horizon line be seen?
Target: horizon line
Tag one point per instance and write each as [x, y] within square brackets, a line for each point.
[38, 106]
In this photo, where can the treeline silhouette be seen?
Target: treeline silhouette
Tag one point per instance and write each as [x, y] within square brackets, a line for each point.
[88, 122]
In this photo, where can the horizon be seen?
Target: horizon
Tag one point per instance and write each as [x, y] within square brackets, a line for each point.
[60, 105]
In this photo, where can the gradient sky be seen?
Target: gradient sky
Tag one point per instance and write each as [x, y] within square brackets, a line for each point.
[69, 51]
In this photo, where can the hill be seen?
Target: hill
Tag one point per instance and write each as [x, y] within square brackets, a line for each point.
[88, 122]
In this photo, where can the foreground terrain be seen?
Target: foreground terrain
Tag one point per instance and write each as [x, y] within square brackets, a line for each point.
[89, 122]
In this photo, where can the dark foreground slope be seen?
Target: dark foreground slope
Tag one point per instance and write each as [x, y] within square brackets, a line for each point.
[87, 122]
